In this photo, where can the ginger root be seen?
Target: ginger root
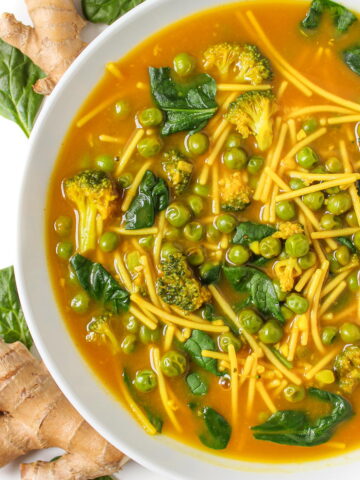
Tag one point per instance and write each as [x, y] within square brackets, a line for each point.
[35, 415]
[54, 41]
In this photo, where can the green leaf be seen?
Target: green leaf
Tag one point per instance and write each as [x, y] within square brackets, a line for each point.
[351, 57]
[197, 384]
[106, 11]
[347, 242]
[259, 286]
[18, 74]
[210, 275]
[187, 106]
[100, 284]
[342, 17]
[281, 358]
[152, 197]
[195, 344]
[13, 327]
[294, 427]
[248, 232]
[217, 430]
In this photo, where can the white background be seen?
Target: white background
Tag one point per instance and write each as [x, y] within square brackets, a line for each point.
[12, 158]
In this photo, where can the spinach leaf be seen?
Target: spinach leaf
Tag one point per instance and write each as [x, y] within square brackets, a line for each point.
[281, 358]
[248, 232]
[217, 431]
[294, 427]
[188, 106]
[99, 284]
[342, 17]
[347, 242]
[152, 197]
[259, 261]
[155, 420]
[259, 286]
[195, 344]
[106, 11]
[211, 274]
[13, 327]
[196, 383]
[18, 74]
[351, 57]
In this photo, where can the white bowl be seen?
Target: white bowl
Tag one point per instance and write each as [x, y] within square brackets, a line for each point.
[160, 454]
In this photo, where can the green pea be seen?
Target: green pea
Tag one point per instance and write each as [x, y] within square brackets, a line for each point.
[168, 249]
[285, 210]
[225, 223]
[234, 140]
[334, 265]
[297, 245]
[125, 180]
[329, 334]
[202, 190]
[286, 312]
[297, 303]
[196, 256]
[132, 260]
[342, 255]
[330, 222]
[310, 125]
[173, 363]
[294, 393]
[307, 261]
[151, 117]
[318, 169]
[226, 339]
[172, 233]
[356, 240]
[339, 203]
[238, 255]
[64, 250]
[351, 219]
[108, 242]
[196, 204]
[177, 214]
[184, 64]
[145, 381]
[250, 320]
[306, 158]
[122, 109]
[349, 332]
[146, 242]
[106, 163]
[193, 231]
[332, 190]
[148, 336]
[314, 200]
[296, 183]
[128, 345]
[271, 332]
[80, 303]
[212, 234]
[73, 279]
[131, 324]
[149, 146]
[255, 164]
[353, 281]
[235, 158]
[334, 165]
[63, 225]
[279, 293]
[197, 143]
[206, 271]
[270, 247]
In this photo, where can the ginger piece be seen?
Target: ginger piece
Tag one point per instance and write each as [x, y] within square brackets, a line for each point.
[36, 415]
[54, 41]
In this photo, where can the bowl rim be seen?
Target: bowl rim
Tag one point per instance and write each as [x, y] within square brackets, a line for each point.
[173, 460]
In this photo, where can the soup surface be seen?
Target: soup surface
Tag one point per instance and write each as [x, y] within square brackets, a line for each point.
[203, 232]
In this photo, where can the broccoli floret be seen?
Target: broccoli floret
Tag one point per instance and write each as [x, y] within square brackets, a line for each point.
[246, 61]
[235, 194]
[347, 368]
[93, 193]
[178, 286]
[252, 113]
[178, 170]
[100, 331]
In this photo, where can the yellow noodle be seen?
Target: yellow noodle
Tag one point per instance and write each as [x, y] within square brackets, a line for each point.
[215, 355]
[322, 363]
[215, 189]
[218, 146]
[219, 130]
[251, 389]
[149, 280]
[279, 366]
[234, 384]
[333, 283]
[114, 70]
[283, 86]
[318, 176]
[294, 338]
[348, 168]
[131, 192]
[341, 232]
[265, 396]
[140, 231]
[122, 272]
[319, 109]
[129, 149]
[305, 277]
[343, 119]
[332, 297]
[314, 324]
[169, 337]
[96, 110]
[239, 87]
[292, 130]
[110, 139]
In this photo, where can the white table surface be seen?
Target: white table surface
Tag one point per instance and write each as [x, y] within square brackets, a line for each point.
[13, 152]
